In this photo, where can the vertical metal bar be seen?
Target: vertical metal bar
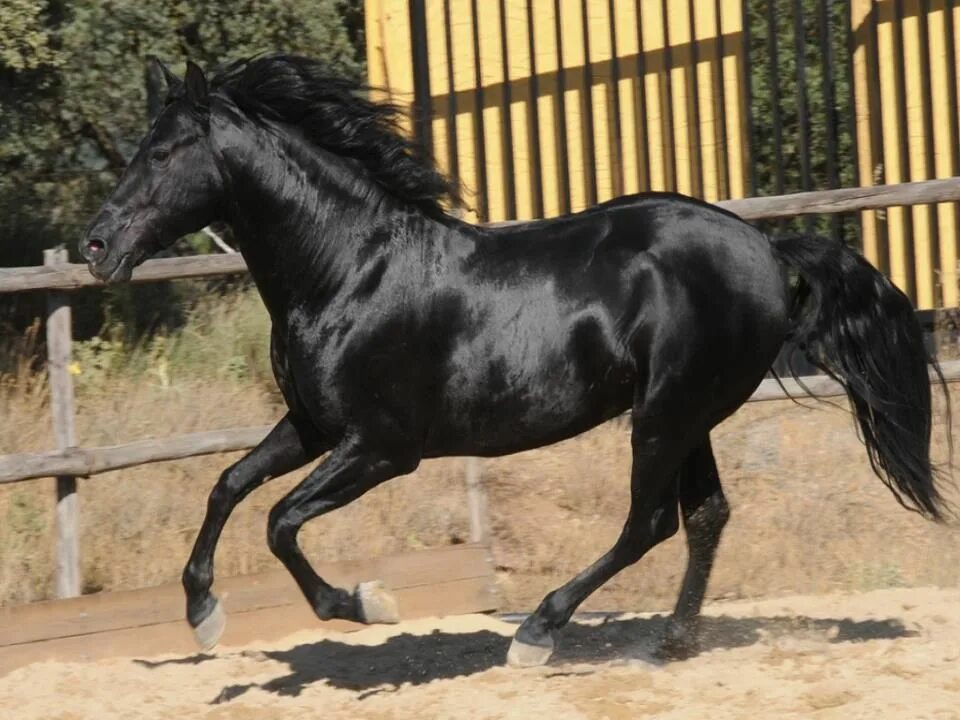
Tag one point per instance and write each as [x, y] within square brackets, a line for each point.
[670, 139]
[954, 115]
[59, 341]
[926, 92]
[643, 142]
[508, 166]
[928, 133]
[589, 144]
[825, 27]
[953, 69]
[453, 157]
[951, 43]
[696, 149]
[422, 127]
[478, 130]
[719, 92]
[563, 159]
[536, 161]
[876, 123]
[616, 164]
[904, 143]
[856, 218]
[773, 65]
[803, 112]
[747, 80]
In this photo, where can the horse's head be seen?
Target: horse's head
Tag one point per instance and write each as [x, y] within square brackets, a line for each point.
[172, 186]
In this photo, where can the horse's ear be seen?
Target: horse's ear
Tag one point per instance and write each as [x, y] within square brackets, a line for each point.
[196, 84]
[153, 79]
[155, 68]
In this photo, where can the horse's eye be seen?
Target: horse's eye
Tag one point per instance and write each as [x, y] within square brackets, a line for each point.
[160, 156]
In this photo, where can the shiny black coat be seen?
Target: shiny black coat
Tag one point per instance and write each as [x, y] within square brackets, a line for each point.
[401, 333]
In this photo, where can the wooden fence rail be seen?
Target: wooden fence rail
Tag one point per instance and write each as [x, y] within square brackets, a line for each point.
[68, 462]
[84, 462]
[822, 202]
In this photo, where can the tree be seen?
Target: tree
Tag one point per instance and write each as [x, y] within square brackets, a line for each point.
[73, 96]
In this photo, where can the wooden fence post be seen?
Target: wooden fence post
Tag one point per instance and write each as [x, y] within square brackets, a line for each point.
[476, 501]
[59, 340]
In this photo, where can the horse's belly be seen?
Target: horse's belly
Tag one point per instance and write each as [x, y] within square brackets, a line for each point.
[551, 403]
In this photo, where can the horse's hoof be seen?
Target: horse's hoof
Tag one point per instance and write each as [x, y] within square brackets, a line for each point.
[210, 630]
[523, 654]
[679, 642]
[376, 603]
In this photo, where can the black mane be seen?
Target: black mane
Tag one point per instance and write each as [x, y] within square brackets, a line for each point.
[335, 113]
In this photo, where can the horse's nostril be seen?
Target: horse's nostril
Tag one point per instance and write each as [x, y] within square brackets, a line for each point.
[95, 246]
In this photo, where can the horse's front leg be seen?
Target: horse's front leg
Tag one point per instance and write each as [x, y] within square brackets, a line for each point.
[284, 449]
[351, 469]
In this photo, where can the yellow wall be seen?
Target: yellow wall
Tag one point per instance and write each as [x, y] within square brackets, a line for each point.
[668, 137]
[903, 136]
[707, 155]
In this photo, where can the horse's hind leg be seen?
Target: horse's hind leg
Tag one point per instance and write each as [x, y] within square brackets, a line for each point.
[705, 513]
[658, 450]
[280, 452]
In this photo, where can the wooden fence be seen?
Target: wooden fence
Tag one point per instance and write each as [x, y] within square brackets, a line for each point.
[68, 462]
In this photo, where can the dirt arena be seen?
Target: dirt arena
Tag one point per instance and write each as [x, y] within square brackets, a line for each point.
[828, 600]
[882, 654]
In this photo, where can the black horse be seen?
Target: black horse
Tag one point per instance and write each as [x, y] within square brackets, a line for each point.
[401, 333]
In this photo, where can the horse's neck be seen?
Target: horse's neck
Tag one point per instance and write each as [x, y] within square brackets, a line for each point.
[296, 216]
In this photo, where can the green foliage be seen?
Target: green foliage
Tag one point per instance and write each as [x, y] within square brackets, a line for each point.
[73, 103]
[223, 337]
[25, 40]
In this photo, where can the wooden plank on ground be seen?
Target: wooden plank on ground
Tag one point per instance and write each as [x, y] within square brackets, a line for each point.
[450, 580]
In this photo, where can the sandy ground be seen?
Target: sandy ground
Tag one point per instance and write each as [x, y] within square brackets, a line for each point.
[891, 653]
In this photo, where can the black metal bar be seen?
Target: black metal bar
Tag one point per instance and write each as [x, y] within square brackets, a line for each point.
[616, 150]
[773, 65]
[695, 151]
[803, 111]
[562, 151]
[510, 179]
[952, 70]
[670, 139]
[850, 46]
[453, 157]
[719, 93]
[478, 131]
[825, 27]
[643, 142]
[952, 102]
[589, 142]
[536, 159]
[421, 77]
[926, 92]
[752, 146]
[904, 144]
[876, 133]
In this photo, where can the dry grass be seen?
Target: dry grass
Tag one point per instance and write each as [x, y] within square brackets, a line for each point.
[808, 515]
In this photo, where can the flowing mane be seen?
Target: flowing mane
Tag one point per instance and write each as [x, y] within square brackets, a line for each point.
[335, 114]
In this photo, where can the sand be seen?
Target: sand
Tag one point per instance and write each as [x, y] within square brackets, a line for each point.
[891, 653]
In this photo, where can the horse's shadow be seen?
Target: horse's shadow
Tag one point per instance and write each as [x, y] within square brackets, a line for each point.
[416, 659]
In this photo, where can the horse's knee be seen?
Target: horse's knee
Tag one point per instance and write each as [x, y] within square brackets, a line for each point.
[281, 532]
[664, 523]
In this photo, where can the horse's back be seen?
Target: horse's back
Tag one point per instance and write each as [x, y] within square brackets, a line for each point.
[578, 315]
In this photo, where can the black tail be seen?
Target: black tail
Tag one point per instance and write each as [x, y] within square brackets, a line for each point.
[853, 324]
